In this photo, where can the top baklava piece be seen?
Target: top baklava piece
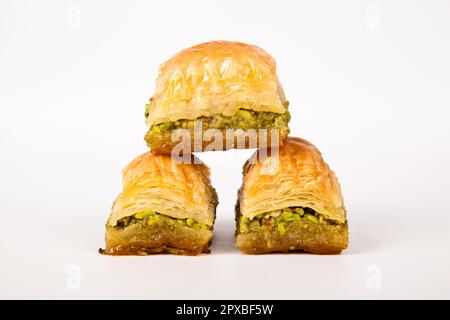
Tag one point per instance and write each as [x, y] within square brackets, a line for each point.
[229, 87]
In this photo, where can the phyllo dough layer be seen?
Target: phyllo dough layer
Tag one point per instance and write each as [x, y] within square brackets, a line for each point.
[222, 84]
[290, 201]
[164, 207]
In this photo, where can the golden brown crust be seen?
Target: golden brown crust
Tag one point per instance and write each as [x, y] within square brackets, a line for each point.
[297, 177]
[217, 77]
[165, 145]
[156, 183]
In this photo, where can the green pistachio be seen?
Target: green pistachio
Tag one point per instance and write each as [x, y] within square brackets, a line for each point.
[246, 115]
[245, 220]
[287, 215]
[312, 218]
[255, 224]
[155, 129]
[281, 229]
[166, 126]
[243, 228]
[190, 222]
[142, 215]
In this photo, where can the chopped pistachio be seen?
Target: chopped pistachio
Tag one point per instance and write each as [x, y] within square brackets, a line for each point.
[246, 115]
[165, 126]
[282, 221]
[255, 224]
[190, 222]
[243, 119]
[281, 229]
[258, 216]
[142, 215]
[312, 218]
[154, 218]
[243, 228]
[287, 215]
[155, 129]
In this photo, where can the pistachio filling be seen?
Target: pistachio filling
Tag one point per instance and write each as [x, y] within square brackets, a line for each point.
[282, 220]
[155, 218]
[243, 119]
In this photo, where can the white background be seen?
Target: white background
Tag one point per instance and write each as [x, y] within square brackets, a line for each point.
[368, 83]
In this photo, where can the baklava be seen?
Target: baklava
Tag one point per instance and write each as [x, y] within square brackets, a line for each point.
[164, 207]
[216, 96]
[290, 201]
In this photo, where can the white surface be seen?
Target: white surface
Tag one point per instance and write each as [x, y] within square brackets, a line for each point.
[368, 83]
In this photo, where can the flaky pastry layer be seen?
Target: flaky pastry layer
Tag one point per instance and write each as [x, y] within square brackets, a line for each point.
[217, 77]
[156, 183]
[295, 177]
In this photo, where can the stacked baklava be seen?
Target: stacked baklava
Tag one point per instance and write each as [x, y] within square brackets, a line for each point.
[218, 96]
